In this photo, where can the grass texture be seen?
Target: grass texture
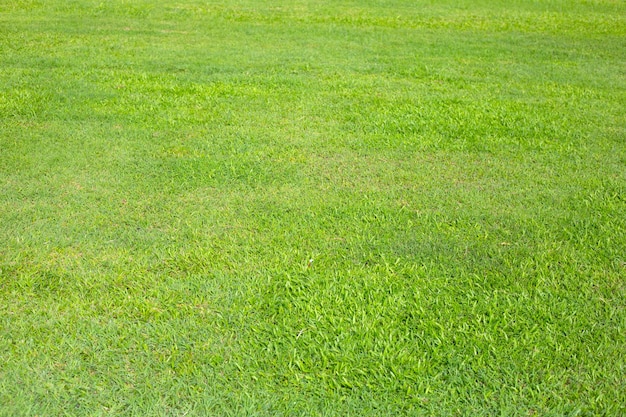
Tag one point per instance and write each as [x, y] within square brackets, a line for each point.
[312, 208]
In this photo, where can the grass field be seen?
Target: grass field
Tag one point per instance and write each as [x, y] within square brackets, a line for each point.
[312, 207]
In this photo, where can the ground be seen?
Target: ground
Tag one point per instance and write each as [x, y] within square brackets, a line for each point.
[312, 208]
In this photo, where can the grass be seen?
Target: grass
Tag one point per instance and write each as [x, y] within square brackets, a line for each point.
[312, 208]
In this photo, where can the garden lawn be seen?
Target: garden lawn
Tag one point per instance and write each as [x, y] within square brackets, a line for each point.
[312, 208]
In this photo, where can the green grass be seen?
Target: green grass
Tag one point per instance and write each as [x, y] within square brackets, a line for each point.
[312, 208]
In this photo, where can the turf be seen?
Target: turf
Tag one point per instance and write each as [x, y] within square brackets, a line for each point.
[312, 208]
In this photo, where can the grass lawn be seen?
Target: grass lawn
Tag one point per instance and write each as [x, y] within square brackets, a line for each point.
[312, 207]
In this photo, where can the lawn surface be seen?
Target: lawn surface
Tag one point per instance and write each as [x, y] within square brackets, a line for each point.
[312, 207]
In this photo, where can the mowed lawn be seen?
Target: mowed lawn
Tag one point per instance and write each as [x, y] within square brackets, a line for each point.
[312, 207]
